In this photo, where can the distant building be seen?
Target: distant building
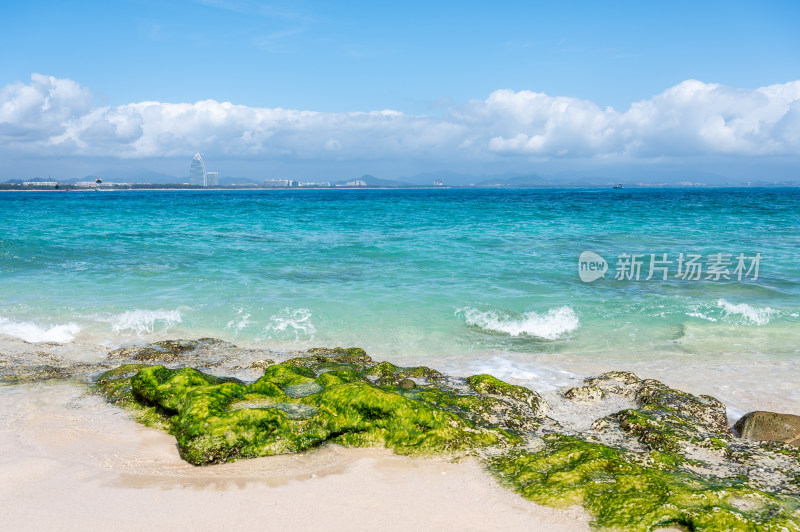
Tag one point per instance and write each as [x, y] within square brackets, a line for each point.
[438, 182]
[40, 183]
[315, 184]
[198, 175]
[280, 183]
[197, 171]
[355, 183]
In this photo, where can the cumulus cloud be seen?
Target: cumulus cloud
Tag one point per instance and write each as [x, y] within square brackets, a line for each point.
[32, 112]
[50, 116]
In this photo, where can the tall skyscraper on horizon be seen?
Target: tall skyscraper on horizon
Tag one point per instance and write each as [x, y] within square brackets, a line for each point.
[197, 171]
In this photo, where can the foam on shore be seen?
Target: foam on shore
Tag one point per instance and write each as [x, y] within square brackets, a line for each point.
[34, 333]
[549, 325]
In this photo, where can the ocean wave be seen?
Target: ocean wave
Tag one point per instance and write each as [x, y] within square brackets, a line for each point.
[240, 322]
[698, 314]
[291, 321]
[143, 321]
[30, 332]
[549, 325]
[759, 316]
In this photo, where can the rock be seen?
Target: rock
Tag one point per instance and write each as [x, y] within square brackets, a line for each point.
[297, 405]
[769, 426]
[625, 377]
[407, 384]
[622, 383]
[262, 364]
[625, 495]
[40, 365]
[703, 411]
[172, 351]
[489, 385]
[165, 351]
[584, 394]
[38, 373]
[670, 460]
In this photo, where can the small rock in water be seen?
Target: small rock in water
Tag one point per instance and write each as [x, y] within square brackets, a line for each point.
[407, 384]
[302, 390]
[584, 394]
[770, 426]
[262, 364]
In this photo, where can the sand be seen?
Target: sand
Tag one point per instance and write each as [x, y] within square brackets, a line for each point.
[69, 461]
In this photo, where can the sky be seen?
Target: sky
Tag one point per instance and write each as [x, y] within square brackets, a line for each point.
[338, 89]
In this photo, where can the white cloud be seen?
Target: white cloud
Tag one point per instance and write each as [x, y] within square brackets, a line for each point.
[32, 112]
[52, 116]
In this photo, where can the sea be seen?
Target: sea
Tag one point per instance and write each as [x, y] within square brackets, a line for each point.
[698, 287]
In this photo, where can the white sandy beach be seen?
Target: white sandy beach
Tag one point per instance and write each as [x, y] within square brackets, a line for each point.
[69, 461]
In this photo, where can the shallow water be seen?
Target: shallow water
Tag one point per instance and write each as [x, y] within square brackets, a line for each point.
[465, 280]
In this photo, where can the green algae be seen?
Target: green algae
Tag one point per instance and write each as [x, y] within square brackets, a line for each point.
[671, 461]
[291, 409]
[621, 494]
[489, 385]
[303, 390]
[486, 411]
[115, 385]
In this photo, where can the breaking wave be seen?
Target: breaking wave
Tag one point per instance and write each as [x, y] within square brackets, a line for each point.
[549, 325]
[759, 316]
[291, 321]
[30, 332]
[241, 321]
[144, 321]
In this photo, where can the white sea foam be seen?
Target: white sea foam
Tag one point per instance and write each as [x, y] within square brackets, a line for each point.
[549, 325]
[510, 367]
[31, 332]
[291, 320]
[241, 321]
[143, 321]
[759, 316]
[698, 314]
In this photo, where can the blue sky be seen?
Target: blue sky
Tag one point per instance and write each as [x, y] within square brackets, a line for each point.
[421, 59]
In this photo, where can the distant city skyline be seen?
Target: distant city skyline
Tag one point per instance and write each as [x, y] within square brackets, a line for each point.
[311, 90]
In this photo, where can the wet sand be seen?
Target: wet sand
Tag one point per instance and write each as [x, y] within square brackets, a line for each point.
[69, 461]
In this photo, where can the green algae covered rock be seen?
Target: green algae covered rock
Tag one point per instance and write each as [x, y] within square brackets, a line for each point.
[333, 396]
[624, 495]
[488, 385]
[670, 460]
[115, 385]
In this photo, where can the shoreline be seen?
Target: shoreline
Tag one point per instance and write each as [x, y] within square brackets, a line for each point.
[743, 385]
[70, 188]
[59, 438]
[89, 465]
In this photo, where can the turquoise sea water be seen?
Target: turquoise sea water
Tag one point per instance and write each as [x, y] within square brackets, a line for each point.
[444, 274]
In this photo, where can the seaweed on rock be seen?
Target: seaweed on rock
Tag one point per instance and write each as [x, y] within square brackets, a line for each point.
[218, 420]
[670, 461]
[622, 494]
